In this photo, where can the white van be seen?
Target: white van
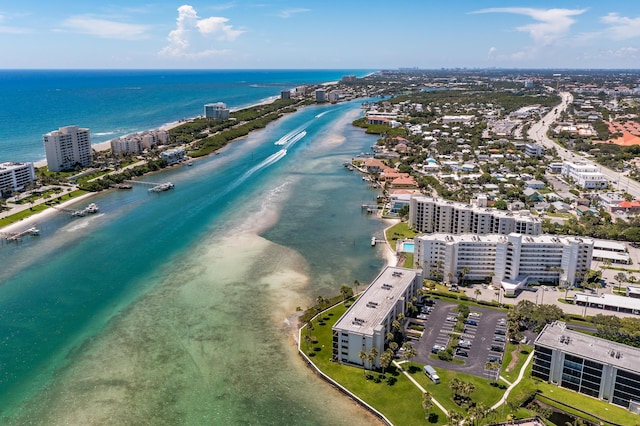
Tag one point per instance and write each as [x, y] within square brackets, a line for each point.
[430, 372]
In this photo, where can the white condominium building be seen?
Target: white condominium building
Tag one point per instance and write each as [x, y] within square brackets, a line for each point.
[367, 322]
[584, 175]
[218, 111]
[427, 214]
[15, 176]
[511, 260]
[67, 148]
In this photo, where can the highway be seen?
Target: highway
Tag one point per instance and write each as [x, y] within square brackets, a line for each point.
[538, 132]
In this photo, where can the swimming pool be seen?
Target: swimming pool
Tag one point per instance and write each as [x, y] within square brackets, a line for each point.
[408, 247]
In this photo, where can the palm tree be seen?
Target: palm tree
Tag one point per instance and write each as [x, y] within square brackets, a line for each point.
[477, 292]
[356, 283]
[385, 360]
[373, 354]
[346, 292]
[455, 418]
[620, 277]
[427, 404]
[409, 351]
[455, 385]
[363, 356]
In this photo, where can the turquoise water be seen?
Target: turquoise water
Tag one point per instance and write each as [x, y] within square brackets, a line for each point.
[179, 307]
[114, 103]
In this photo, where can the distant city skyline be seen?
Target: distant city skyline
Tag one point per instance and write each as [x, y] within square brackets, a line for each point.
[241, 34]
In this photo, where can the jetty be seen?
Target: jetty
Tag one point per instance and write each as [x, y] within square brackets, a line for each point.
[155, 187]
[90, 209]
[16, 236]
[375, 240]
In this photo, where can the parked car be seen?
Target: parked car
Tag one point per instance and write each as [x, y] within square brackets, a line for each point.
[460, 352]
[437, 348]
[471, 322]
[499, 338]
[464, 344]
[495, 359]
[502, 322]
[501, 332]
[496, 348]
[422, 316]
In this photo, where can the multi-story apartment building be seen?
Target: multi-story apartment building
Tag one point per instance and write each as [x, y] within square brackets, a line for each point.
[428, 214]
[68, 147]
[15, 176]
[596, 367]
[367, 322]
[511, 261]
[217, 111]
[584, 175]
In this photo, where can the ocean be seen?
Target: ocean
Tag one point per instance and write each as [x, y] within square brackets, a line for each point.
[180, 307]
[113, 103]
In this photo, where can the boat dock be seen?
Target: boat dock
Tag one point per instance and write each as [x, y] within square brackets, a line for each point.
[370, 208]
[90, 209]
[155, 187]
[375, 240]
[16, 236]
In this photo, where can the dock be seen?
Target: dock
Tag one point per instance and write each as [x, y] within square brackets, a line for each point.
[16, 236]
[90, 209]
[375, 240]
[155, 187]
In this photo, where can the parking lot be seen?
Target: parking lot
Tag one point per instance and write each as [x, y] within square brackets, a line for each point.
[483, 338]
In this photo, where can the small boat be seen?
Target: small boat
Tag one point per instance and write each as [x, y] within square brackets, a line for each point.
[92, 208]
[34, 231]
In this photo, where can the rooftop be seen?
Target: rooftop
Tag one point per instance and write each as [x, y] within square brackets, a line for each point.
[373, 306]
[557, 336]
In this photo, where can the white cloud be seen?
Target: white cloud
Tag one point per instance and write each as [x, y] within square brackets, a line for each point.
[217, 26]
[621, 27]
[552, 24]
[104, 28]
[288, 13]
[6, 29]
[492, 52]
[189, 26]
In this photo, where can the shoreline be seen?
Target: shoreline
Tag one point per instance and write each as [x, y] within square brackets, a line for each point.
[105, 146]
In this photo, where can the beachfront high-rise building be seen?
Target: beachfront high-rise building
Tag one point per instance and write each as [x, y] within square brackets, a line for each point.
[510, 261]
[321, 95]
[15, 176]
[427, 214]
[216, 111]
[369, 320]
[67, 148]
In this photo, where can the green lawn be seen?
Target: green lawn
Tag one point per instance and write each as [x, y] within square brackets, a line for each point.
[485, 393]
[22, 215]
[37, 209]
[522, 355]
[399, 231]
[594, 406]
[393, 395]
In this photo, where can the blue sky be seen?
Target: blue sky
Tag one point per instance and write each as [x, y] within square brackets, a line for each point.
[319, 34]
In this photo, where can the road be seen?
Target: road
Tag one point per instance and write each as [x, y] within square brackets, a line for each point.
[538, 132]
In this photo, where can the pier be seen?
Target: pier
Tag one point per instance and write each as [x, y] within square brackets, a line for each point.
[375, 240]
[90, 209]
[155, 187]
[16, 236]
